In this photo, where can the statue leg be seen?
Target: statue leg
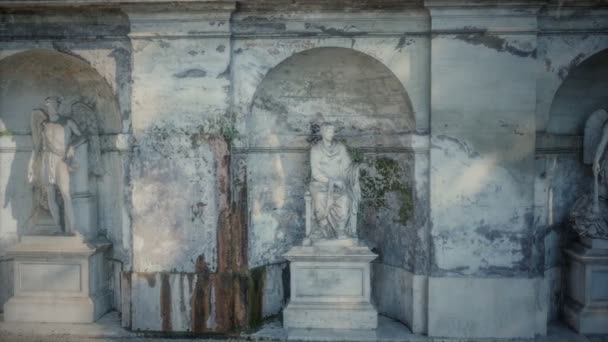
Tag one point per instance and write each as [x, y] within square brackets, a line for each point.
[53, 206]
[63, 182]
[339, 214]
[319, 200]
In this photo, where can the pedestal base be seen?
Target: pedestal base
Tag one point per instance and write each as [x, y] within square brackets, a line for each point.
[58, 279]
[330, 292]
[586, 304]
[323, 335]
[360, 316]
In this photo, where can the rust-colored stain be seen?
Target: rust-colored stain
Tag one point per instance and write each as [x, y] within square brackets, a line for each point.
[126, 316]
[150, 278]
[200, 303]
[218, 300]
[165, 302]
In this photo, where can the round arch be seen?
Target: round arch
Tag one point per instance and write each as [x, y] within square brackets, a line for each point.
[27, 78]
[583, 91]
[339, 84]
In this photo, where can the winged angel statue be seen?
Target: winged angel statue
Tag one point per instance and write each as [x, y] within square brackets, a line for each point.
[55, 139]
[589, 216]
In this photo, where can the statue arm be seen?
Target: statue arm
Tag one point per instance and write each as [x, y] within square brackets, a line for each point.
[599, 152]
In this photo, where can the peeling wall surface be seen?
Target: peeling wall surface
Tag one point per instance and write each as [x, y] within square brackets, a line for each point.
[468, 114]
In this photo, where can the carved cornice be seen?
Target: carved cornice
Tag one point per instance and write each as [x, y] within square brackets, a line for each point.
[558, 144]
[574, 19]
[180, 19]
[324, 5]
[484, 16]
[108, 142]
[344, 24]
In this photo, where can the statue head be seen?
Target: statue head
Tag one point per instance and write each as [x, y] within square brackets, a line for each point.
[328, 130]
[52, 104]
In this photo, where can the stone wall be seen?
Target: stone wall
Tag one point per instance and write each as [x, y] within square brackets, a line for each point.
[468, 114]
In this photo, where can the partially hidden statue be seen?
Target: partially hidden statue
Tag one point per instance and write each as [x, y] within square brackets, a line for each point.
[589, 216]
[334, 193]
[53, 162]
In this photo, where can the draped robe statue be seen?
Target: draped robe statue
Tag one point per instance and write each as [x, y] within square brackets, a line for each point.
[334, 190]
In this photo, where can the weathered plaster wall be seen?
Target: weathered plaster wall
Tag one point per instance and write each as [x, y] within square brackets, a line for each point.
[189, 261]
[482, 173]
[560, 180]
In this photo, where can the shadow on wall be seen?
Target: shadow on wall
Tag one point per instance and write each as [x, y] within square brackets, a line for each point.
[26, 79]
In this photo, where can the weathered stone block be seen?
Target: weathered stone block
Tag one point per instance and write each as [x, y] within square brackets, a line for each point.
[330, 289]
[586, 304]
[58, 279]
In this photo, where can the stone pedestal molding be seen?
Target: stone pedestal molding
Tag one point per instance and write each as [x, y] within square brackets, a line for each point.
[330, 289]
[58, 279]
[586, 302]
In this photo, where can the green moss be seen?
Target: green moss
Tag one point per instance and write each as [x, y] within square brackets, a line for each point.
[5, 133]
[255, 295]
[355, 155]
[229, 132]
[387, 178]
[222, 126]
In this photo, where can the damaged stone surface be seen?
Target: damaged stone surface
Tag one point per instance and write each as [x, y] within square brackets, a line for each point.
[207, 111]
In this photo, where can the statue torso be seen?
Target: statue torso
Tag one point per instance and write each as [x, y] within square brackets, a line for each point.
[331, 162]
[56, 136]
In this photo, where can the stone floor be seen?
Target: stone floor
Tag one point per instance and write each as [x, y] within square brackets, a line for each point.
[108, 329]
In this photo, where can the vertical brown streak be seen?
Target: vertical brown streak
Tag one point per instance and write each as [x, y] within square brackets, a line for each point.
[200, 303]
[165, 302]
[230, 280]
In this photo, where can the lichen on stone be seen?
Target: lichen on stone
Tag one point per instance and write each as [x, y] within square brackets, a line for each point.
[385, 175]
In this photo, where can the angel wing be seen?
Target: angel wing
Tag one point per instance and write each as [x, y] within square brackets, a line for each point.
[86, 119]
[593, 134]
[37, 120]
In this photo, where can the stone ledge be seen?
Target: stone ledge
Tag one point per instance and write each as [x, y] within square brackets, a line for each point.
[54, 246]
[338, 254]
[120, 142]
[547, 143]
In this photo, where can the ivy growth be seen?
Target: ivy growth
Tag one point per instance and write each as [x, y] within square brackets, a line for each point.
[385, 178]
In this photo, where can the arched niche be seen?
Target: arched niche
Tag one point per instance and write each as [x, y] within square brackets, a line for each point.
[375, 114]
[339, 84]
[583, 91]
[26, 79]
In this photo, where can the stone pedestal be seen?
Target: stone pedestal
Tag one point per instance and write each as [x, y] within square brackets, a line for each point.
[58, 279]
[586, 302]
[330, 289]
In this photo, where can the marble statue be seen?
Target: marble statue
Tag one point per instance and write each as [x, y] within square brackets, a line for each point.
[53, 162]
[589, 215]
[331, 272]
[334, 193]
